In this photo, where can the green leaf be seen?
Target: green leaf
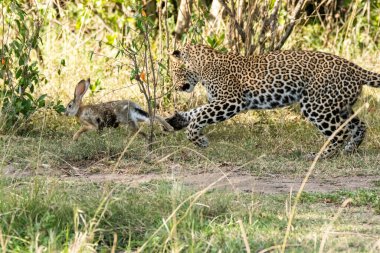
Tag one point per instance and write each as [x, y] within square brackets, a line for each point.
[163, 66]
[111, 38]
[118, 53]
[134, 73]
[139, 25]
[41, 101]
[18, 73]
[18, 24]
[91, 54]
[42, 97]
[130, 20]
[59, 108]
[21, 60]
[28, 95]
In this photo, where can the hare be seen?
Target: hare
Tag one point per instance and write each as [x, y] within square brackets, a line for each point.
[109, 114]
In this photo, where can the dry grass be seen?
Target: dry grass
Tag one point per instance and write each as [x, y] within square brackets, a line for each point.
[43, 212]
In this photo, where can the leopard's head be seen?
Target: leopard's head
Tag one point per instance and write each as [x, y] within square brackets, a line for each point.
[184, 79]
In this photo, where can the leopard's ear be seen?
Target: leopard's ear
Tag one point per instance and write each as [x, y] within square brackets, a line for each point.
[177, 54]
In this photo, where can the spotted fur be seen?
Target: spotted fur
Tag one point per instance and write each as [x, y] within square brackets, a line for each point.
[325, 85]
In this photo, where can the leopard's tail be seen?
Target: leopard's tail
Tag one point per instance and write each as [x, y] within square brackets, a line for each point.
[371, 78]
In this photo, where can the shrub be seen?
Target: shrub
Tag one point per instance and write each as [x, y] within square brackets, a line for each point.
[19, 73]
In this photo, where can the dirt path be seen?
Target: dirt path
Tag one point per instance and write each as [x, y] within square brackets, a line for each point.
[239, 182]
[233, 181]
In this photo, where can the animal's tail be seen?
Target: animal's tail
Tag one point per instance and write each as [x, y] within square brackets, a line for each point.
[158, 118]
[371, 78]
[163, 122]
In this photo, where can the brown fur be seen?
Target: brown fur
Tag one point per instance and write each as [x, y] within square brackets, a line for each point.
[109, 114]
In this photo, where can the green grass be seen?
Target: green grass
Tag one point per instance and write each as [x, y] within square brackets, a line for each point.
[41, 211]
[262, 143]
[370, 198]
[47, 213]
[43, 207]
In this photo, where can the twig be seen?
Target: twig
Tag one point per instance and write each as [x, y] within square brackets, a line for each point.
[249, 30]
[125, 149]
[291, 25]
[244, 235]
[152, 113]
[264, 28]
[235, 22]
[273, 22]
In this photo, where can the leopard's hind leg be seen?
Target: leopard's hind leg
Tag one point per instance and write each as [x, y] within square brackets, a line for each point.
[327, 121]
[358, 130]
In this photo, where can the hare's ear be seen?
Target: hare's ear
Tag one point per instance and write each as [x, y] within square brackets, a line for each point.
[81, 89]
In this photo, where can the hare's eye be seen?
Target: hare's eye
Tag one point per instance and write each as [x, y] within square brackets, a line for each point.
[69, 105]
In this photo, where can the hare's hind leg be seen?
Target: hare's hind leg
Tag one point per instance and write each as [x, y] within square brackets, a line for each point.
[84, 128]
[135, 128]
[163, 122]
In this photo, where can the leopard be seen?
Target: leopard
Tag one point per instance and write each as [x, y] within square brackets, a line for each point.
[326, 87]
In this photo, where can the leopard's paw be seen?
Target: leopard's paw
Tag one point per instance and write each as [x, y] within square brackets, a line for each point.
[311, 156]
[177, 121]
[201, 141]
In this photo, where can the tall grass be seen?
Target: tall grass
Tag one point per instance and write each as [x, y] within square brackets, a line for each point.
[166, 216]
[43, 213]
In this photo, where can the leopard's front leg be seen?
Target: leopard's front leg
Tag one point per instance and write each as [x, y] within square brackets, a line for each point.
[216, 111]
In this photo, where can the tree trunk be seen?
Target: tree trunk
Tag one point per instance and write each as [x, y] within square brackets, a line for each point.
[216, 12]
[183, 19]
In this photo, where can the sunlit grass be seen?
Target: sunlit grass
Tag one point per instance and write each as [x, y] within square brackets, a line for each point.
[281, 138]
[52, 214]
[44, 207]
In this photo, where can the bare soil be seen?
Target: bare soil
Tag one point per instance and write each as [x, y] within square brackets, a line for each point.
[230, 180]
[238, 182]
